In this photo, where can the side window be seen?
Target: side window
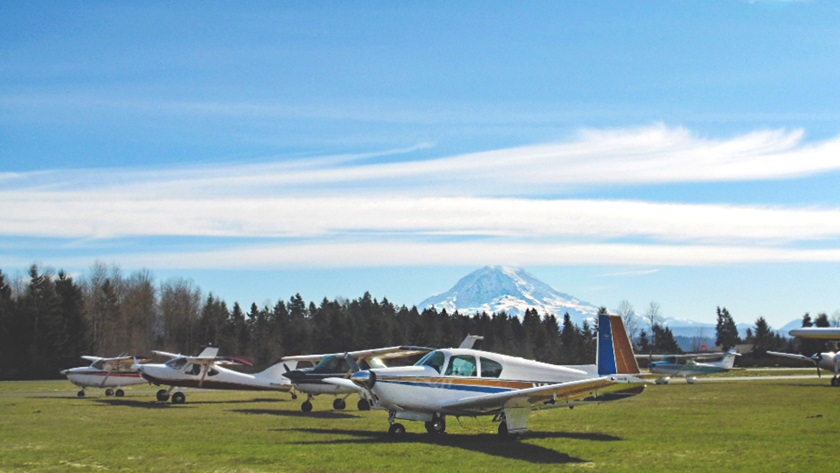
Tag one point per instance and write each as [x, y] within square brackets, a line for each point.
[194, 370]
[434, 359]
[213, 372]
[490, 368]
[462, 365]
[177, 363]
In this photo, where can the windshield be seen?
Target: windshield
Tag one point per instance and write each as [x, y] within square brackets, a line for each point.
[434, 359]
[177, 363]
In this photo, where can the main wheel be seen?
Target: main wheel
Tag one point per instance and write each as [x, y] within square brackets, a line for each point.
[503, 431]
[119, 393]
[179, 398]
[162, 395]
[436, 426]
[363, 405]
[396, 431]
[339, 404]
[109, 392]
[306, 406]
[81, 393]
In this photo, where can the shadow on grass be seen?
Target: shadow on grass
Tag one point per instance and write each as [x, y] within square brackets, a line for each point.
[298, 414]
[488, 444]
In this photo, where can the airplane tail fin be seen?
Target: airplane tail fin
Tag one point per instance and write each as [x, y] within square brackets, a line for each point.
[275, 371]
[728, 360]
[209, 352]
[615, 351]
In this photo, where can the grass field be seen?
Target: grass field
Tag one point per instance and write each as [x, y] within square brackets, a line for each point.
[763, 425]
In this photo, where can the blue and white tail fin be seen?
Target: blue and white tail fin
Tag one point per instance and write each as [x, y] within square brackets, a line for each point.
[728, 360]
[615, 351]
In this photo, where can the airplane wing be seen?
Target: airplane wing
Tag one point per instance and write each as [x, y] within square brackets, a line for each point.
[166, 354]
[344, 383]
[794, 356]
[607, 388]
[91, 358]
[382, 353]
[687, 356]
[824, 333]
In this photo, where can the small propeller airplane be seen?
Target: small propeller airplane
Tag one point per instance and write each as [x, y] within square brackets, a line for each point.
[311, 380]
[107, 373]
[827, 360]
[466, 382]
[687, 365]
[206, 371]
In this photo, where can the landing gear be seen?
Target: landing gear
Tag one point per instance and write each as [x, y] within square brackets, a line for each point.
[306, 406]
[179, 398]
[397, 431]
[109, 392]
[437, 425]
[835, 381]
[363, 405]
[339, 404]
[691, 380]
[81, 393]
[119, 393]
[163, 395]
[294, 396]
[503, 431]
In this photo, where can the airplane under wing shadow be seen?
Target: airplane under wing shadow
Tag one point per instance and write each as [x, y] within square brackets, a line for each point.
[487, 444]
[307, 415]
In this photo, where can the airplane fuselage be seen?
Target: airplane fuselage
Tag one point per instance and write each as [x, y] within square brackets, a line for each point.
[190, 375]
[89, 377]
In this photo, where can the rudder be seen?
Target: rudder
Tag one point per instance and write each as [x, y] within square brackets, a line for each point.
[615, 351]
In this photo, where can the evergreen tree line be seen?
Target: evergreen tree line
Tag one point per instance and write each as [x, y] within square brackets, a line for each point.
[49, 322]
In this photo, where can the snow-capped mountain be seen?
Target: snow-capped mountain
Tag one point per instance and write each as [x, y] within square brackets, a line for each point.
[495, 289]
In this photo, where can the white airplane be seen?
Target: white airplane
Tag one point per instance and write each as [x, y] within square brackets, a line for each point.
[466, 382]
[828, 360]
[105, 373]
[687, 365]
[338, 365]
[206, 371]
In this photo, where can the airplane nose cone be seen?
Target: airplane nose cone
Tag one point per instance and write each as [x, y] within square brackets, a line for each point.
[294, 375]
[365, 378]
[64, 372]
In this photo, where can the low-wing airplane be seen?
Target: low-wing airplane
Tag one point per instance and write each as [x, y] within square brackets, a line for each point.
[467, 382]
[105, 373]
[687, 365]
[338, 365]
[829, 360]
[206, 371]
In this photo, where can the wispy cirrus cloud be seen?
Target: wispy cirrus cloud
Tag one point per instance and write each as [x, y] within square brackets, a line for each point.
[396, 198]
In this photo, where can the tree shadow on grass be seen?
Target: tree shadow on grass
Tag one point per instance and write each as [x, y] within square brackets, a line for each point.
[488, 444]
[299, 414]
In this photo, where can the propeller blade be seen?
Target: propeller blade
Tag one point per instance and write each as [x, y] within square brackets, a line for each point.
[286, 367]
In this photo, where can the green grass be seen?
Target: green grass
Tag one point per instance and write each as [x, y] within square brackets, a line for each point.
[764, 425]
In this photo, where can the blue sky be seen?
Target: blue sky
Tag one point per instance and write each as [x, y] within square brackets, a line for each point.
[683, 152]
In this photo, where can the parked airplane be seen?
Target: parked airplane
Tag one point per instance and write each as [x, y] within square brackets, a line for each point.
[105, 373]
[687, 365]
[338, 365]
[206, 371]
[829, 360]
[466, 382]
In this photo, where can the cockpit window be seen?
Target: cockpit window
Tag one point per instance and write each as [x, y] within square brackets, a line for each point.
[490, 368]
[332, 364]
[434, 359]
[462, 365]
[177, 363]
[98, 364]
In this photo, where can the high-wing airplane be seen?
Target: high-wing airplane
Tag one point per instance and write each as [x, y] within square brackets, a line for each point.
[105, 373]
[466, 382]
[339, 365]
[688, 366]
[206, 371]
[829, 360]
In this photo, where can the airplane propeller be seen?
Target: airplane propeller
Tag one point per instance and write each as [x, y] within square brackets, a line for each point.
[817, 357]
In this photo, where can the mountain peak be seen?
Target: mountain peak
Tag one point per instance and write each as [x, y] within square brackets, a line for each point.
[508, 289]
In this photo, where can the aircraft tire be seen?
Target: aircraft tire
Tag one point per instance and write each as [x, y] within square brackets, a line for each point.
[162, 395]
[396, 431]
[503, 431]
[339, 404]
[306, 406]
[81, 393]
[179, 398]
[109, 392]
[119, 393]
[436, 426]
[835, 381]
[363, 405]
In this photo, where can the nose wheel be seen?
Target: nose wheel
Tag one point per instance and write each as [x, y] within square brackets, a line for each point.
[306, 406]
[339, 404]
[396, 431]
